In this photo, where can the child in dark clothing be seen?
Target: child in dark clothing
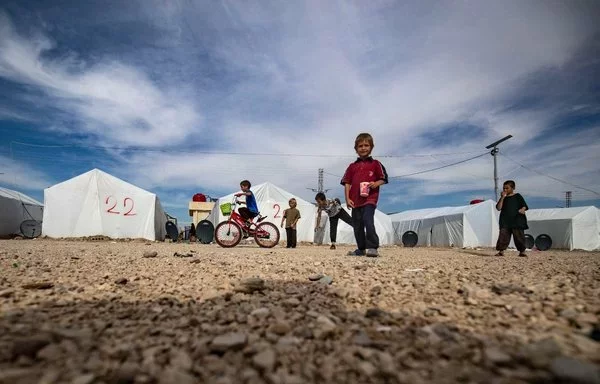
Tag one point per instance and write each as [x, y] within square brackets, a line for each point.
[291, 217]
[361, 181]
[335, 212]
[513, 221]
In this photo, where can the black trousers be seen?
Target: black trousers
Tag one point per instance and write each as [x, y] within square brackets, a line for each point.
[504, 239]
[333, 223]
[291, 237]
[363, 220]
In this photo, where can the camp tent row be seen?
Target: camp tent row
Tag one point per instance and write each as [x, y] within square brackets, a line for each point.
[97, 203]
[477, 226]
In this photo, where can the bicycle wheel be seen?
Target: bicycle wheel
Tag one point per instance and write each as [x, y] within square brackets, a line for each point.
[266, 235]
[228, 234]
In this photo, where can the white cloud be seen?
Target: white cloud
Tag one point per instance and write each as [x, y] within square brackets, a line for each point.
[289, 77]
[17, 175]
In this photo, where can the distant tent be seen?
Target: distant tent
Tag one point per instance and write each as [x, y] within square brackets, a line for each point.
[273, 200]
[15, 208]
[473, 225]
[569, 228]
[98, 204]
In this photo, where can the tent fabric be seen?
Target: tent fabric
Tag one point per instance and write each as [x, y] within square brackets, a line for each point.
[16, 207]
[98, 204]
[474, 225]
[273, 200]
[569, 228]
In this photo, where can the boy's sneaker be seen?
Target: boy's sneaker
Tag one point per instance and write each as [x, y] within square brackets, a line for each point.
[372, 252]
[332, 246]
[356, 252]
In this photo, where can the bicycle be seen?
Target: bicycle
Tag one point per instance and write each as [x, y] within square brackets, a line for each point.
[229, 233]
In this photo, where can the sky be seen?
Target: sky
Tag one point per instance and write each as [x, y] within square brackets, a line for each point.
[187, 96]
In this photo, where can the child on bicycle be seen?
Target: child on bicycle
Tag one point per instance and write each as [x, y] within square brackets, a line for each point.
[250, 211]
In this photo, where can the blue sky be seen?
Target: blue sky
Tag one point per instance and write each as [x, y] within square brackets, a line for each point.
[188, 96]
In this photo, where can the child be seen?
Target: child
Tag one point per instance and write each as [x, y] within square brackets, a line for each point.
[361, 181]
[334, 211]
[513, 221]
[291, 216]
[251, 210]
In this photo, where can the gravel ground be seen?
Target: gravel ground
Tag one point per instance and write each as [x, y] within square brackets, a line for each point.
[85, 312]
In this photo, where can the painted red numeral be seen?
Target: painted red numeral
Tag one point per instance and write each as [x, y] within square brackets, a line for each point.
[128, 213]
[110, 210]
[278, 209]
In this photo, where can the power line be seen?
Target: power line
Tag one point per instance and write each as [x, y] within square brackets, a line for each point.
[444, 166]
[551, 177]
[195, 151]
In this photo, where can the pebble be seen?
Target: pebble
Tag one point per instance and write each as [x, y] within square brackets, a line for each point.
[250, 285]
[574, 371]
[230, 341]
[121, 281]
[8, 292]
[265, 360]
[148, 254]
[40, 285]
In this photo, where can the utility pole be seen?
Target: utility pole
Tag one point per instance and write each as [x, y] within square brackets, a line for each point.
[319, 183]
[494, 153]
[568, 199]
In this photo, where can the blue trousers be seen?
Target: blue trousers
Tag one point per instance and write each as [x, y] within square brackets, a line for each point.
[363, 221]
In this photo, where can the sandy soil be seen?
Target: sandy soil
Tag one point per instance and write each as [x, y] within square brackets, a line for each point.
[143, 312]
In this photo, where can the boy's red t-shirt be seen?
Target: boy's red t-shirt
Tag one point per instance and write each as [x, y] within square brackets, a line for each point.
[362, 170]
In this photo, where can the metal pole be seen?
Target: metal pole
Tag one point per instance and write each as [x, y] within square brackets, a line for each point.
[494, 152]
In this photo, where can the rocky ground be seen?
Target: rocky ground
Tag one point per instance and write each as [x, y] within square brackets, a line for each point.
[140, 312]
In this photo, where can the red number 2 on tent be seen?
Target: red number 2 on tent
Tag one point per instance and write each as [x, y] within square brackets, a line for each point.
[278, 209]
[111, 200]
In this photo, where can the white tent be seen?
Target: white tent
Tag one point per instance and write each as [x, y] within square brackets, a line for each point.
[464, 226]
[569, 228]
[273, 200]
[345, 235]
[98, 204]
[15, 208]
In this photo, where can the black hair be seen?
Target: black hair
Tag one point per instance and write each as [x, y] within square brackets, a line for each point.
[511, 183]
[320, 196]
[246, 183]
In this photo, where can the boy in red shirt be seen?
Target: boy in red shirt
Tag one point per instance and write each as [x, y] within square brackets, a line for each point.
[361, 182]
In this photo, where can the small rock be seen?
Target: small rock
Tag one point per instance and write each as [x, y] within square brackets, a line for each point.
[280, 328]
[496, 356]
[375, 312]
[260, 313]
[291, 302]
[121, 281]
[40, 285]
[375, 291]
[30, 346]
[362, 339]
[265, 360]
[88, 378]
[150, 254]
[250, 285]
[574, 371]
[569, 313]
[327, 280]
[8, 292]
[324, 327]
[230, 341]
[367, 368]
[315, 277]
[507, 288]
[540, 353]
[172, 375]
[181, 360]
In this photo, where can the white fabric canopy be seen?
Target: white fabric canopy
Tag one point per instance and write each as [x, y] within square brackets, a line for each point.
[15, 208]
[273, 200]
[98, 204]
[473, 225]
[569, 228]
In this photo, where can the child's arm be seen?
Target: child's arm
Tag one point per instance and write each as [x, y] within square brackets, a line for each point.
[349, 202]
[500, 201]
[296, 221]
[283, 217]
[524, 206]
